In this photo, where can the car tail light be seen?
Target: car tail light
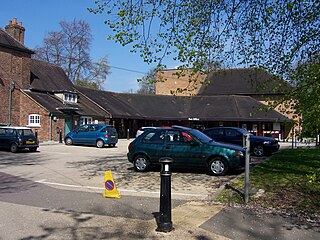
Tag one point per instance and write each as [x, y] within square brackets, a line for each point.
[106, 136]
[129, 146]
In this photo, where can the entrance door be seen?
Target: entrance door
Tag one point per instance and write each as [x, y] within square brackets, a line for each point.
[67, 124]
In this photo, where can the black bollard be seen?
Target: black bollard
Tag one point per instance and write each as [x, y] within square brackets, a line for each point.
[164, 220]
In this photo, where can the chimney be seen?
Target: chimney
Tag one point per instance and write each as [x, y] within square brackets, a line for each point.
[16, 30]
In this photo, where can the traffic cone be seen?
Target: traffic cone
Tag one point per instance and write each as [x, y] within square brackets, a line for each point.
[110, 186]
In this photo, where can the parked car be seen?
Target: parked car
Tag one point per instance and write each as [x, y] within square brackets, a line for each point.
[16, 138]
[187, 147]
[259, 145]
[99, 135]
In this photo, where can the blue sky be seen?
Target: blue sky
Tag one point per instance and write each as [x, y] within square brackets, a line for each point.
[42, 16]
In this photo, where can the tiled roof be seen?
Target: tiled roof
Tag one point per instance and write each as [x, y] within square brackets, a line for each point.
[9, 42]
[161, 107]
[137, 106]
[242, 81]
[48, 77]
[55, 105]
[232, 108]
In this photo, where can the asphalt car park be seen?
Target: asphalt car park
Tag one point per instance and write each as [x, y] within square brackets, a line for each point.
[81, 168]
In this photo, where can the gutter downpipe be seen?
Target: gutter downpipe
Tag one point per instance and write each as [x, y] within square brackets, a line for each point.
[50, 130]
[10, 102]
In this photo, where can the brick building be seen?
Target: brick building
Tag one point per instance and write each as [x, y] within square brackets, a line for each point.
[15, 61]
[39, 95]
[257, 84]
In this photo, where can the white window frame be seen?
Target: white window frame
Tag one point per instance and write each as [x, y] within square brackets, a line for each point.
[70, 97]
[34, 120]
[85, 120]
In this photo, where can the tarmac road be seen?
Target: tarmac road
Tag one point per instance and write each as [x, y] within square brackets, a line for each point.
[56, 193]
[82, 168]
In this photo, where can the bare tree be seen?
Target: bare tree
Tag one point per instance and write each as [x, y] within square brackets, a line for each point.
[147, 83]
[96, 74]
[70, 48]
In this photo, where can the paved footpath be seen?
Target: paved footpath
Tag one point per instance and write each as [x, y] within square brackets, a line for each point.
[69, 214]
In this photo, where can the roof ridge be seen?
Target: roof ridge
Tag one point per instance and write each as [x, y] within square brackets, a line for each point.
[45, 62]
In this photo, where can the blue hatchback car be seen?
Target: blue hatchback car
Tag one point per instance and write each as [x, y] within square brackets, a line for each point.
[98, 135]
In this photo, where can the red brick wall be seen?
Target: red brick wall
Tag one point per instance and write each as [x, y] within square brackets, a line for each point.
[14, 67]
[44, 131]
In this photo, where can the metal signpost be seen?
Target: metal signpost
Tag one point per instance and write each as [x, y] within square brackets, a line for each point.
[246, 144]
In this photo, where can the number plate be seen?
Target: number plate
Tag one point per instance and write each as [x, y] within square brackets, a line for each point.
[29, 142]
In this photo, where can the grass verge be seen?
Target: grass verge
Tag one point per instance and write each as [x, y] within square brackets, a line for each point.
[287, 181]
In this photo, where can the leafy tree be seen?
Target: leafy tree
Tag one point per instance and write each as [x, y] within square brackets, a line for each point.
[307, 94]
[147, 83]
[70, 48]
[275, 35]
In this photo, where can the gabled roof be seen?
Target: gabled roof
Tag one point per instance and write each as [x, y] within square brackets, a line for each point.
[48, 77]
[243, 81]
[9, 42]
[55, 105]
[163, 107]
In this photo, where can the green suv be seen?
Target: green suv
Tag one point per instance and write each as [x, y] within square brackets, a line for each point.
[187, 147]
[15, 138]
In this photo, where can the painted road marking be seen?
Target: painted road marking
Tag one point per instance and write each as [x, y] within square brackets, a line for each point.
[121, 190]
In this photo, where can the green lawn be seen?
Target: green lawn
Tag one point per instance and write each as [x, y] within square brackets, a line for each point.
[289, 180]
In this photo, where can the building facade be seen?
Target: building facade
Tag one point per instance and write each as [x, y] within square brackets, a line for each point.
[39, 95]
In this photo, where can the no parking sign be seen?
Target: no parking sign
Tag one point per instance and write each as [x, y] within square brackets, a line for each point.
[110, 187]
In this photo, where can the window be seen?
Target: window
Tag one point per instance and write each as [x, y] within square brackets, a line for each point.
[85, 120]
[156, 137]
[34, 120]
[70, 97]
[10, 132]
[2, 131]
[232, 133]
[84, 128]
[94, 128]
[217, 132]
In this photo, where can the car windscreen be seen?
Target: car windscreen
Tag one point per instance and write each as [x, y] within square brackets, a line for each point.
[201, 136]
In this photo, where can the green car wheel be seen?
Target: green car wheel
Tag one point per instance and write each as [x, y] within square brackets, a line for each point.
[218, 166]
[141, 163]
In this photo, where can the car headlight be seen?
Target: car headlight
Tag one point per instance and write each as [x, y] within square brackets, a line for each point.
[239, 153]
[266, 142]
